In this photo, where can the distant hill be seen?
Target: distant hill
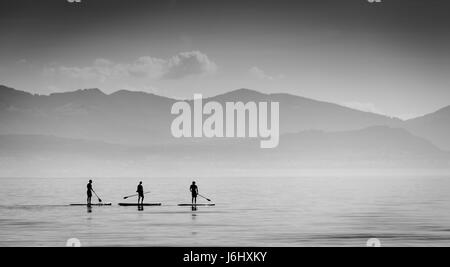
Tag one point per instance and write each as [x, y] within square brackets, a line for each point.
[87, 132]
[123, 117]
[435, 127]
[379, 143]
[371, 148]
[142, 119]
[300, 114]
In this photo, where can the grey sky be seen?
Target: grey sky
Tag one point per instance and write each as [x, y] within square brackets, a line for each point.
[390, 58]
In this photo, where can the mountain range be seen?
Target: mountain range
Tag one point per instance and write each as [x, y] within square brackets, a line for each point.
[128, 133]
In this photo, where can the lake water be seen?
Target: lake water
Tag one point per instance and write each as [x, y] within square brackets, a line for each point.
[401, 211]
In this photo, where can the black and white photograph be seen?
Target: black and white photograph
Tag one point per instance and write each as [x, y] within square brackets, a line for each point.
[224, 124]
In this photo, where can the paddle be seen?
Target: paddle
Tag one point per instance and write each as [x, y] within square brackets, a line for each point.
[209, 200]
[99, 199]
[135, 195]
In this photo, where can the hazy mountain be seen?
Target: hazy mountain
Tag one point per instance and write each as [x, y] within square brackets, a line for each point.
[141, 119]
[434, 127]
[300, 114]
[23, 146]
[123, 117]
[371, 148]
[87, 132]
[377, 143]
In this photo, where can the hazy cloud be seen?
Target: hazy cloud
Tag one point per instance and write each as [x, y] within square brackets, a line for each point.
[179, 66]
[188, 64]
[22, 61]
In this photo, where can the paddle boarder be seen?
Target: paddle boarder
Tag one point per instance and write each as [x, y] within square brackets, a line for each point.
[140, 191]
[194, 191]
[89, 193]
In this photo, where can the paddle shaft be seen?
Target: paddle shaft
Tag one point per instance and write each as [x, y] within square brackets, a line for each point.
[135, 195]
[99, 199]
[209, 200]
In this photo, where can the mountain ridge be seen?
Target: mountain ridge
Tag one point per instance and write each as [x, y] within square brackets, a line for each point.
[434, 127]
[141, 118]
[244, 91]
[237, 92]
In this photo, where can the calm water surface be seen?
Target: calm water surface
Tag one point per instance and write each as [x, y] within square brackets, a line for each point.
[406, 211]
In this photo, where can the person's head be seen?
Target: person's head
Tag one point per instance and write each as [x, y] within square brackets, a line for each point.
[90, 181]
[140, 183]
[193, 183]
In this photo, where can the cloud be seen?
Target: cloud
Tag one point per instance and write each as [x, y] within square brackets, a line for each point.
[22, 61]
[101, 70]
[262, 75]
[188, 64]
[179, 66]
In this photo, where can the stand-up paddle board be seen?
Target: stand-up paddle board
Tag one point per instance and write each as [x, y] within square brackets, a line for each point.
[140, 205]
[196, 205]
[92, 205]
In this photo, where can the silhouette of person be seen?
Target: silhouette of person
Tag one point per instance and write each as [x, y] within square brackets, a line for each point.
[89, 193]
[140, 191]
[194, 191]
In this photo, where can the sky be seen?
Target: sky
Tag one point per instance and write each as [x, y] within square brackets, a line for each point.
[390, 57]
